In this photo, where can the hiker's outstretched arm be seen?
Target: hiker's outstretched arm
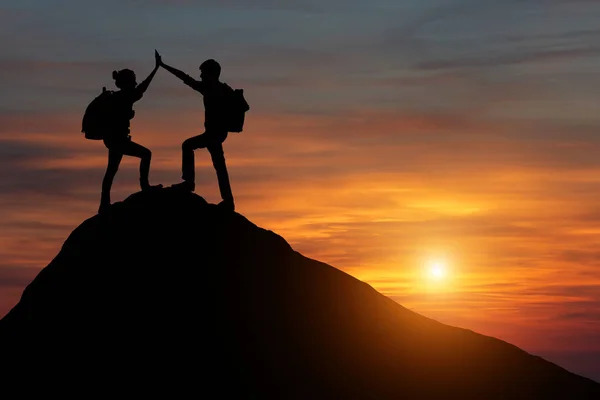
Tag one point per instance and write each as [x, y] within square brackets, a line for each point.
[141, 88]
[188, 80]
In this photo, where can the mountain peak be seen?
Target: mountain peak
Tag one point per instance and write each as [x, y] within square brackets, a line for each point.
[168, 292]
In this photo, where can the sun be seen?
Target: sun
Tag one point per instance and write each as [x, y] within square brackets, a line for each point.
[437, 270]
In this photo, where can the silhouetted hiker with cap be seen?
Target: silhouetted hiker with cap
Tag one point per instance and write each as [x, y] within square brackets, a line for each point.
[214, 94]
[117, 140]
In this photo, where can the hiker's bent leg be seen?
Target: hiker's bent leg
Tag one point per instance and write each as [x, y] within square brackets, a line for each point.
[218, 160]
[114, 159]
[188, 166]
[145, 155]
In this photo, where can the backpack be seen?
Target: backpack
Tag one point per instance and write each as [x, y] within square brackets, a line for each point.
[237, 107]
[97, 116]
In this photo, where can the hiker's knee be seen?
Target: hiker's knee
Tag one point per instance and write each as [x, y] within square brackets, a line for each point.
[187, 145]
[146, 154]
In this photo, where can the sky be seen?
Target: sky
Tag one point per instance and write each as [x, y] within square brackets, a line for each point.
[384, 138]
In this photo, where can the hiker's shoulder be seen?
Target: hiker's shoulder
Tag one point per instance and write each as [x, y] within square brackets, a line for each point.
[225, 86]
[121, 95]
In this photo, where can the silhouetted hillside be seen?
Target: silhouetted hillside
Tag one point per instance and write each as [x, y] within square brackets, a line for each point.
[166, 293]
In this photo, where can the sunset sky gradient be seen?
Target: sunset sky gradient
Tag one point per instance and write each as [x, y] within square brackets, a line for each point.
[381, 135]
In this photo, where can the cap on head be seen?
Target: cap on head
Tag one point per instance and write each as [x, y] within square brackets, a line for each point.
[211, 68]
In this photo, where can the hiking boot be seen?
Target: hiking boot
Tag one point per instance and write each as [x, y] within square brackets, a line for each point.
[227, 205]
[185, 185]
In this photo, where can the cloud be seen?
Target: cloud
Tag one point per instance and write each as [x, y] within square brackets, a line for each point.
[16, 276]
[510, 59]
[29, 66]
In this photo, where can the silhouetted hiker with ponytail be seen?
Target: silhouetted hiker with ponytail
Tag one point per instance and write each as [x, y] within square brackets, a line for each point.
[117, 139]
[215, 95]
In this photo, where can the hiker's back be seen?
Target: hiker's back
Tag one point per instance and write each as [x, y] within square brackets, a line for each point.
[122, 113]
[215, 106]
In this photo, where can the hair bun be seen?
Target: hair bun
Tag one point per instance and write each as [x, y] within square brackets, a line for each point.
[115, 74]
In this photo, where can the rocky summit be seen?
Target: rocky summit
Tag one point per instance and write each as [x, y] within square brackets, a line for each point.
[168, 294]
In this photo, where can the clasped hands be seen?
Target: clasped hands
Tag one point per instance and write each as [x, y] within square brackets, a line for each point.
[158, 59]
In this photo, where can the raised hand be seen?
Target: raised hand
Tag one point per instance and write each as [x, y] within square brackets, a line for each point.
[157, 58]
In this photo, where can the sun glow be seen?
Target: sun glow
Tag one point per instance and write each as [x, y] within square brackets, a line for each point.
[437, 270]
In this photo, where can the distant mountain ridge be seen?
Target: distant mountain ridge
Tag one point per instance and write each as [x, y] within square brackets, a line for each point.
[166, 293]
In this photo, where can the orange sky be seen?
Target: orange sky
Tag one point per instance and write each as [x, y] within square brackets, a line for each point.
[462, 134]
[521, 260]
